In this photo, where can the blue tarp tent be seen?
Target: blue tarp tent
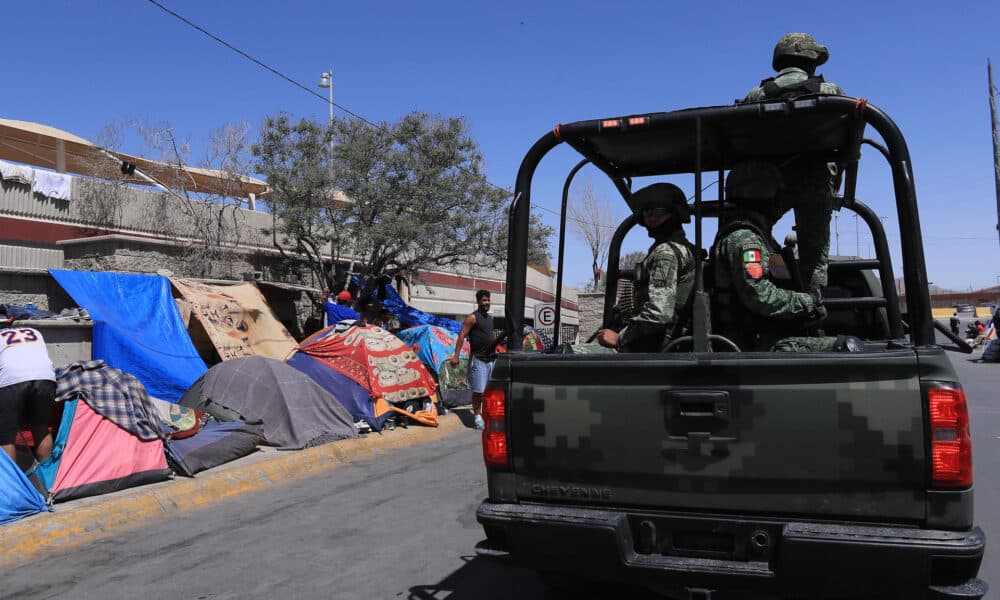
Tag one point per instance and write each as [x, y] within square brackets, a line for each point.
[18, 498]
[137, 328]
[411, 317]
[352, 396]
[436, 346]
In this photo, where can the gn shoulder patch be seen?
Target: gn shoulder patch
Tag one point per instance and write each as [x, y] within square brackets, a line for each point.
[752, 258]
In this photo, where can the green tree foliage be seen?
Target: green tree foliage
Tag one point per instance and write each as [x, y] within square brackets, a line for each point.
[295, 159]
[411, 196]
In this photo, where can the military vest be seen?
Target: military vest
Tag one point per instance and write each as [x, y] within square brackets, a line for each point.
[685, 284]
[810, 85]
[729, 315]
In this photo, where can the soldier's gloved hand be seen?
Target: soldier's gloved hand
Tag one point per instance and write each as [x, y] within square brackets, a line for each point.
[819, 311]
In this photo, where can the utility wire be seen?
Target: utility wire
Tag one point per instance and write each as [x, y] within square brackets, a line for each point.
[326, 100]
[257, 61]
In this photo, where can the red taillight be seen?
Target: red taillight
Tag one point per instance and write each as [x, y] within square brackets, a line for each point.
[495, 435]
[951, 443]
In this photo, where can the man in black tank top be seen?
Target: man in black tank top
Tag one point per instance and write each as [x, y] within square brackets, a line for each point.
[478, 327]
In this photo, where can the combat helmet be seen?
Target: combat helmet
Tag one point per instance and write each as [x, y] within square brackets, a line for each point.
[799, 47]
[661, 195]
[755, 184]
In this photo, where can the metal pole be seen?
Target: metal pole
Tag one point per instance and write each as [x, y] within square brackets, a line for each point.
[857, 237]
[836, 221]
[556, 333]
[331, 100]
[996, 139]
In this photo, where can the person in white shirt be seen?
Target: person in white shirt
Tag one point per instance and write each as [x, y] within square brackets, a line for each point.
[27, 389]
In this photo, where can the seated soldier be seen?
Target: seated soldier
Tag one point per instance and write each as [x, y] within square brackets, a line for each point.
[664, 279]
[759, 305]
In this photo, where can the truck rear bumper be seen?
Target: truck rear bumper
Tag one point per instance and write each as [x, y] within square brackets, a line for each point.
[732, 557]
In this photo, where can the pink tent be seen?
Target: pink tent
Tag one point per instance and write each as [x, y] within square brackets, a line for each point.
[95, 456]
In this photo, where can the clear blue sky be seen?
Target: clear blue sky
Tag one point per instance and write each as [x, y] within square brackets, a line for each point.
[514, 69]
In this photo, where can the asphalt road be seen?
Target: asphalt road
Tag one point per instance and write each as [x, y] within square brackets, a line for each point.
[982, 390]
[394, 527]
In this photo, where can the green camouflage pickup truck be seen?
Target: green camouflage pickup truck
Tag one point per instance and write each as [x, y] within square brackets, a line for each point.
[713, 472]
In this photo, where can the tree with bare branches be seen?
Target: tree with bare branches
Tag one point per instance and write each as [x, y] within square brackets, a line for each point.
[591, 220]
[206, 226]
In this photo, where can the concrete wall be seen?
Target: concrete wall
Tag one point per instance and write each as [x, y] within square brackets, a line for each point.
[33, 286]
[591, 313]
[67, 341]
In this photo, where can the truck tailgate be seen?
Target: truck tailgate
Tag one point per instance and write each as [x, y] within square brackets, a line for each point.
[813, 435]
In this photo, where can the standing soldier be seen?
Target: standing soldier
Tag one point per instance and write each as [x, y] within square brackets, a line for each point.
[757, 302]
[809, 185]
[664, 279]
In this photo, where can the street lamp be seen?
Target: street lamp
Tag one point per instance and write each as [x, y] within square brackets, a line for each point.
[326, 81]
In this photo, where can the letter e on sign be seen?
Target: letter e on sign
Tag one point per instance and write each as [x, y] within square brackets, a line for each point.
[545, 315]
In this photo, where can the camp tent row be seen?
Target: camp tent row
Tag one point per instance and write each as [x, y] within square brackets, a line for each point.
[150, 334]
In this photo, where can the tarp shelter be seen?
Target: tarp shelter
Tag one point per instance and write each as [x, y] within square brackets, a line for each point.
[409, 316]
[381, 363]
[433, 344]
[214, 444]
[294, 410]
[349, 393]
[236, 319]
[374, 358]
[137, 328]
[18, 498]
[94, 456]
[193, 442]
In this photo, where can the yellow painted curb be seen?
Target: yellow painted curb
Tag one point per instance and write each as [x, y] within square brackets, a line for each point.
[62, 530]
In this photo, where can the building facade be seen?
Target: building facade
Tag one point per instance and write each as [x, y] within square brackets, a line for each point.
[101, 226]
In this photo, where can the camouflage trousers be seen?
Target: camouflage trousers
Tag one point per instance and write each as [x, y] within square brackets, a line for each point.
[809, 192]
[805, 344]
[590, 348]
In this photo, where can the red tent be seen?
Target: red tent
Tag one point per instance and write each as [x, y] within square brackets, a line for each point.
[378, 361]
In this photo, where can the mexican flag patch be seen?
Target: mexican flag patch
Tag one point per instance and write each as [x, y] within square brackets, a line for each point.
[750, 256]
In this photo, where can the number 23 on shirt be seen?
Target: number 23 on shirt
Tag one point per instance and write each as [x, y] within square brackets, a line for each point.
[18, 336]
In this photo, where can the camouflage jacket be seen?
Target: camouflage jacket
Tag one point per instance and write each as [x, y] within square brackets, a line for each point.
[749, 266]
[663, 290]
[789, 77]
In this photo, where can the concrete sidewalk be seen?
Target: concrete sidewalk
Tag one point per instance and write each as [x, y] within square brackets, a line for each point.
[75, 523]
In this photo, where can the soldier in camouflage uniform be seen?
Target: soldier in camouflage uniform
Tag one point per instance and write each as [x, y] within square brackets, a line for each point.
[664, 279]
[809, 185]
[757, 302]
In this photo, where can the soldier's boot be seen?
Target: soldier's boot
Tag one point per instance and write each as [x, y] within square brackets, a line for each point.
[848, 343]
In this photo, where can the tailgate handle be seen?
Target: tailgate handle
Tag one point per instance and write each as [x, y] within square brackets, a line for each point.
[700, 404]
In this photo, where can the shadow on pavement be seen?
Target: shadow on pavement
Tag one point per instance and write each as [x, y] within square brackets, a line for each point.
[486, 579]
[465, 416]
[482, 579]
